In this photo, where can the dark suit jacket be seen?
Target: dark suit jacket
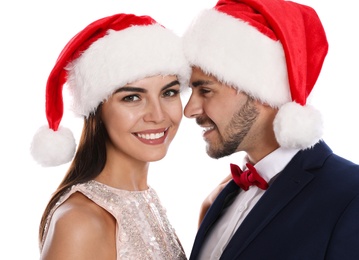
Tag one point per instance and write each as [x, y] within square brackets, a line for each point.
[309, 212]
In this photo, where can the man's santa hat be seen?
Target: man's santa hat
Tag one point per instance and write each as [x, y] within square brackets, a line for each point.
[273, 50]
[104, 56]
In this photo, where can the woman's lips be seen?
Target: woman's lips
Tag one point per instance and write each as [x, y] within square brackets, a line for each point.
[152, 137]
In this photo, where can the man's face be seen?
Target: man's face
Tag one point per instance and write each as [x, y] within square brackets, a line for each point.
[225, 114]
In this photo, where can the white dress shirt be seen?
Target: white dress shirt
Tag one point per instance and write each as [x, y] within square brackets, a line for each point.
[234, 215]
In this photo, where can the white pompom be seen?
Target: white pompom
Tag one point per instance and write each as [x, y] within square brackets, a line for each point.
[297, 126]
[53, 148]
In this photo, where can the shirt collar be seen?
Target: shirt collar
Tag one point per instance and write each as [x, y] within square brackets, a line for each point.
[273, 163]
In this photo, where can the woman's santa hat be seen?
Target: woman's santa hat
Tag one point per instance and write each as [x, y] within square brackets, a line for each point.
[104, 56]
[273, 50]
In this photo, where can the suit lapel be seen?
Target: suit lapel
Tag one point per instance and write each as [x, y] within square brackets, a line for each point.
[291, 182]
[286, 186]
[224, 199]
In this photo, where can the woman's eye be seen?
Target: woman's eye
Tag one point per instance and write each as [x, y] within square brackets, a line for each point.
[131, 98]
[171, 93]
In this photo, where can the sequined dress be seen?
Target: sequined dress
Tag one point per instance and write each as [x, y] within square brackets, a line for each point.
[143, 230]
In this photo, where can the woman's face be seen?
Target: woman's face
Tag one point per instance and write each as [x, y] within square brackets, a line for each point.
[142, 118]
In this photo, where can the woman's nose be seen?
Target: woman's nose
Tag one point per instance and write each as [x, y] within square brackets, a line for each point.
[154, 113]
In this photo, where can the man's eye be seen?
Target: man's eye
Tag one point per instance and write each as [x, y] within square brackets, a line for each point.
[204, 90]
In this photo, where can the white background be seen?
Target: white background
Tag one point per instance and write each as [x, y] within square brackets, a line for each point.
[32, 35]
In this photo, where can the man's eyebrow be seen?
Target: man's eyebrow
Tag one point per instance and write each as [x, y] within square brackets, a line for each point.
[201, 83]
[142, 90]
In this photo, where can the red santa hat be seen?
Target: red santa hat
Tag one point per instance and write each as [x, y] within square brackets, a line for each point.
[104, 56]
[273, 50]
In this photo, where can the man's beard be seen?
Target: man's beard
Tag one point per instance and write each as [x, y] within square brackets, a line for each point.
[235, 132]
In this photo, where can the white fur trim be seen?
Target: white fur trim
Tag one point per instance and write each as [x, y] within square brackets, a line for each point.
[239, 55]
[121, 57]
[53, 148]
[297, 126]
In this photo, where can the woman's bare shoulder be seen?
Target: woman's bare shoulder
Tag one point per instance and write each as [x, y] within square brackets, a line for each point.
[79, 229]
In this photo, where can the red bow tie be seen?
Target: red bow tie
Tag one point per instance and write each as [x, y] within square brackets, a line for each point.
[247, 178]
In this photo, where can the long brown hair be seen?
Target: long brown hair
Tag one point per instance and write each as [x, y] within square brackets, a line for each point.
[88, 162]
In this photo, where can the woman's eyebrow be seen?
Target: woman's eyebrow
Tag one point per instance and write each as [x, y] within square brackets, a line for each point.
[142, 90]
[171, 84]
[131, 89]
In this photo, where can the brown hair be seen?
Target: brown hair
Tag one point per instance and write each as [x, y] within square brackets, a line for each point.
[88, 162]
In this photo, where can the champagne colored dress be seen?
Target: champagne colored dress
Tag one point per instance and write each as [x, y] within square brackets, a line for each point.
[142, 230]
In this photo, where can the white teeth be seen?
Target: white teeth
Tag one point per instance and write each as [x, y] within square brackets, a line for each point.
[208, 128]
[151, 136]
